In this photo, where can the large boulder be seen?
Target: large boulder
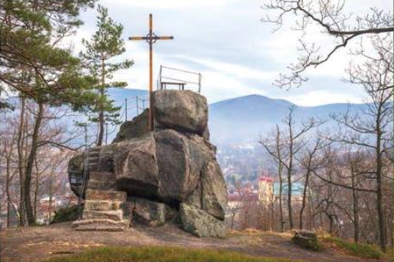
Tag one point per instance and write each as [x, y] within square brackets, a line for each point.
[184, 111]
[214, 191]
[210, 194]
[200, 223]
[170, 174]
[179, 162]
[134, 128]
[135, 166]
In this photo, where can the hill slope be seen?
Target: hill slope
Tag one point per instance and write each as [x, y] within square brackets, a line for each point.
[245, 118]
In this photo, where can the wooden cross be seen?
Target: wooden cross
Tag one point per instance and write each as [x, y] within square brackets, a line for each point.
[151, 38]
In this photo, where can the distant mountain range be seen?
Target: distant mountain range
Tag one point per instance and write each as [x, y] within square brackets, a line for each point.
[243, 118]
[237, 120]
[248, 117]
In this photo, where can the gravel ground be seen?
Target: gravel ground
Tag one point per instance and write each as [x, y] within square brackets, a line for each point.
[40, 243]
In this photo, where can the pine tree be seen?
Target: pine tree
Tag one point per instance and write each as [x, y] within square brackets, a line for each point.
[35, 66]
[104, 45]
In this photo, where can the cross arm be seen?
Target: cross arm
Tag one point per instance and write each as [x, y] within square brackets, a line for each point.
[153, 38]
[138, 38]
[165, 37]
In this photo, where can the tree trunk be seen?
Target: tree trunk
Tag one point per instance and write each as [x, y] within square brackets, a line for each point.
[331, 229]
[282, 222]
[30, 163]
[311, 212]
[101, 113]
[7, 188]
[101, 129]
[20, 147]
[289, 171]
[280, 168]
[382, 224]
[272, 218]
[289, 205]
[36, 188]
[355, 207]
[50, 198]
[304, 195]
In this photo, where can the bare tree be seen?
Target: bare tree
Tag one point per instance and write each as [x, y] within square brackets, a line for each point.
[8, 154]
[236, 203]
[373, 132]
[53, 133]
[21, 156]
[310, 161]
[280, 169]
[377, 81]
[330, 16]
[293, 142]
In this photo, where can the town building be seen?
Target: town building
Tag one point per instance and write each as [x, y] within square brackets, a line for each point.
[269, 190]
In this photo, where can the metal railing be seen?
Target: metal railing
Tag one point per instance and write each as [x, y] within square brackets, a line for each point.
[135, 104]
[162, 80]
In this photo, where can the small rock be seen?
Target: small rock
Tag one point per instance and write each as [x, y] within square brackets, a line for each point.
[150, 212]
[306, 239]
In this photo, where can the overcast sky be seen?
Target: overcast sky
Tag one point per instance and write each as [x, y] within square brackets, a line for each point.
[225, 40]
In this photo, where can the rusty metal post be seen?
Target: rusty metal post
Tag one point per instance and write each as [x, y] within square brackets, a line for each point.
[199, 83]
[150, 72]
[125, 108]
[151, 38]
[136, 102]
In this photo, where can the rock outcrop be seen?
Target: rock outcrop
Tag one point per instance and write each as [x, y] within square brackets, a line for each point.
[182, 111]
[170, 175]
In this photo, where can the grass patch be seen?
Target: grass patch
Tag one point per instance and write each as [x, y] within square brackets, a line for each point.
[354, 249]
[162, 254]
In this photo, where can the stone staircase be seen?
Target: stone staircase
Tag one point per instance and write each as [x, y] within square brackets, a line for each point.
[94, 157]
[103, 209]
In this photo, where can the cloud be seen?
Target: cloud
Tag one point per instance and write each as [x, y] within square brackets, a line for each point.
[168, 4]
[224, 40]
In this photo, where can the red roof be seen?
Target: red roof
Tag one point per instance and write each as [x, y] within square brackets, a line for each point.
[266, 178]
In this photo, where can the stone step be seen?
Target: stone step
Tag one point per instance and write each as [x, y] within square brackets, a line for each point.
[93, 168]
[106, 195]
[100, 225]
[101, 185]
[94, 160]
[115, 215]
[95, 149]
[101, 205]
[103, 176]
[94, 153]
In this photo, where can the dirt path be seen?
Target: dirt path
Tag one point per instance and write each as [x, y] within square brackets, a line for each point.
[39, 243]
